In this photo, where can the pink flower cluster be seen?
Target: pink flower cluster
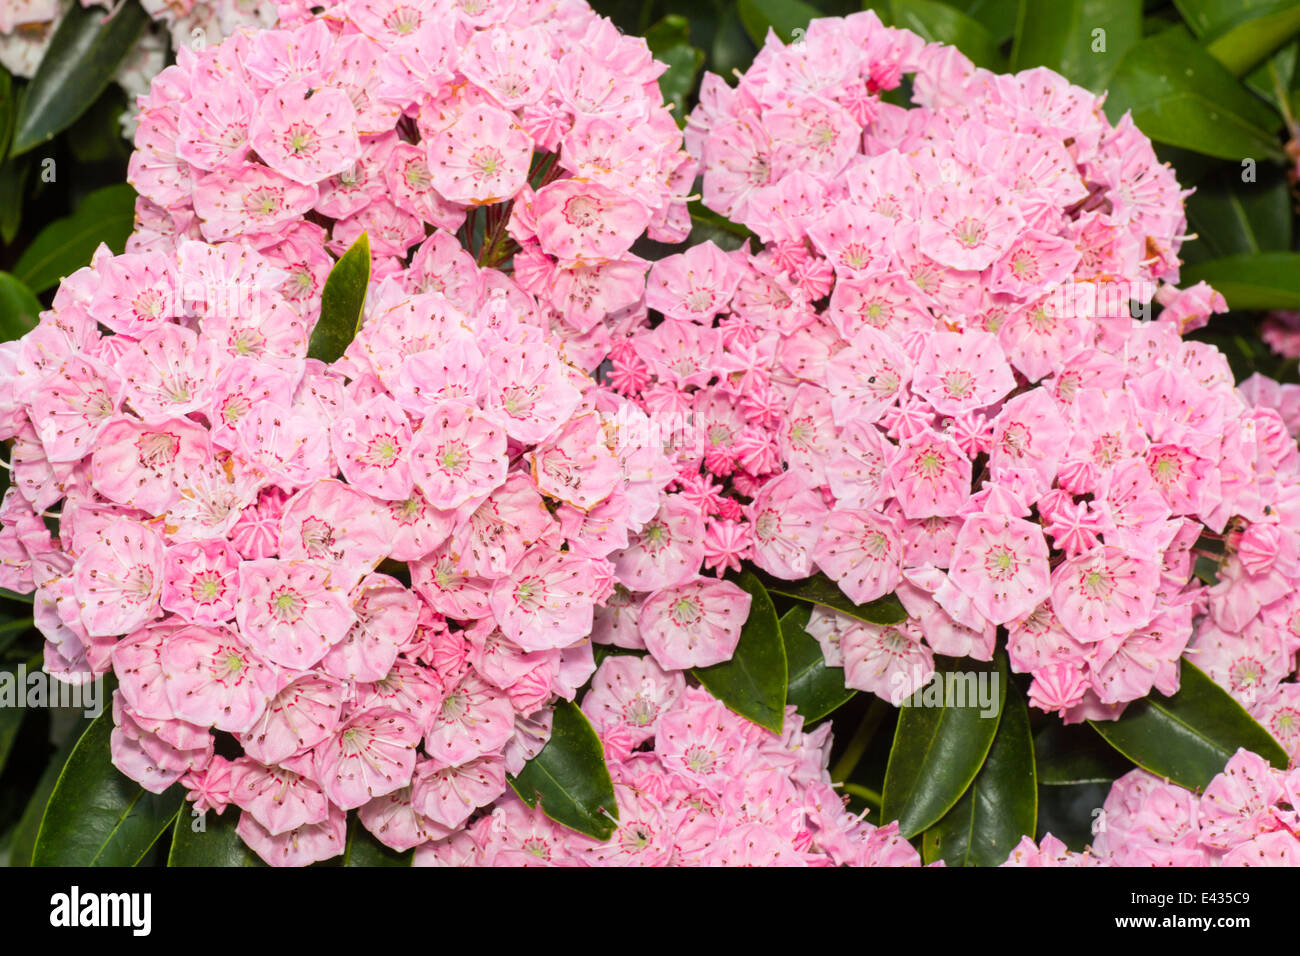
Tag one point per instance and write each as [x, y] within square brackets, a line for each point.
[374, 575]
[534, 129]
[1247, 816]
[928, 380]
[696, 786]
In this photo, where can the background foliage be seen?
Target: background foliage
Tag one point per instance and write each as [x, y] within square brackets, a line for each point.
[1215, 83]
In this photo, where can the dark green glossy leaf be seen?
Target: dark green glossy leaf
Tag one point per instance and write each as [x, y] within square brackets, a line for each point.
[7, 112]
[783, 16]
[364, 850]
[569, 776]
[10, 631]
[217, 844]
[819, 589]
[814, 687]
[98, 817]
[1181, 95]
[19, 308]
[732, 49]
[753, 682]
[708, 226]
[15, 596]
[999, 17]
[1269, 280]
[65, 245]
[97, 136]
[84, 53]
[942, 738]
[23, 841]
[13, 192]
[1074, 754]
[1213, 18]
[1083, 40]
[1188, 738]
[11, 719]
[340, 303]
[939, 22]
[1251, 42]
[670, 42]
[1230, 216]
[1001, 805]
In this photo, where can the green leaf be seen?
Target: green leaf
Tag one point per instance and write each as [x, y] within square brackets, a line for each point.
[1181, 95]
[6, 110]
[732, 49]
[570, 778]
[1001, 805]
[98, 817]
[1251, 42]
[10, 631]
[813, 686]
[1064, 35]
[938, 22]
[1188, 738]
[24, 837]
[18, 308]
[1230, 216]
[15, 596]
[999, 17]
[13, 192]
[11, 719]
[708, 226]
[97, 136]
[670, 42]
[753, 682]
[1269, 280]
[1212, 18]
[364, 850]
[940, 746]
[65, 245]
[1071, 755]
[217, 844]
[77, 66]
[340, 303]
[783, 16]
[819, 589]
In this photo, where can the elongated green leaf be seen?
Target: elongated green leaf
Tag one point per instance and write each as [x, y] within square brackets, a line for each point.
[569, 777]
[1001, 805]
[10, 631]
[1083, 40]
[13, 192]
[8, 595]
[732, 49]
[783, 16]
[708, 226]
[753, 682]
[1269, 280]
[217, 844]
[942, 738]
[18, 308]
[98, 817]
[341, 302]
[364, 850]
[998, 16]
[1181, 95]
[1213, 19]
[84, 53]
[7, 113]
[670, 42]
[819, 589]
[11, 720]
[65, 245]
[23, 841]
[1188, 737]
[941, 23]
[1251, 42]
[813, 686]
[1230, 216]
[1068, 756]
